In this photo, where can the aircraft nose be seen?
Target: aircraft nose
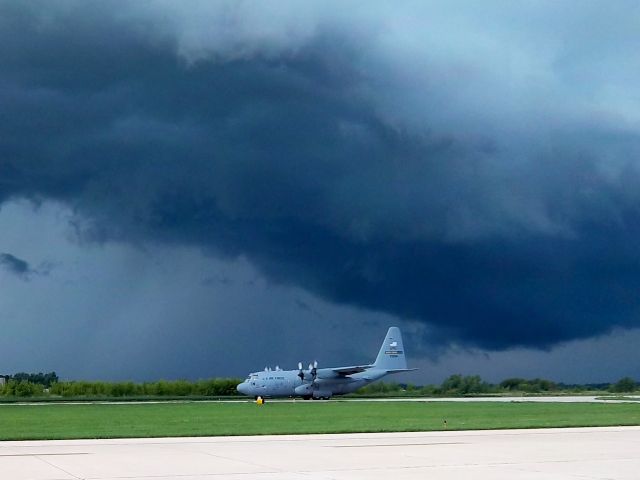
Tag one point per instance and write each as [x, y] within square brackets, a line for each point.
[242, 388]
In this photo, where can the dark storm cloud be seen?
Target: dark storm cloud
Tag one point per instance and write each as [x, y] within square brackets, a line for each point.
[414, 182]
[15, 265]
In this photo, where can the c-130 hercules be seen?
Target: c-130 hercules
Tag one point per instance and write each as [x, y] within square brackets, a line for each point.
[323, 383]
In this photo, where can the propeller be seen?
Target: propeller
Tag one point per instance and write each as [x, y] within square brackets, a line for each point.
[313, 370]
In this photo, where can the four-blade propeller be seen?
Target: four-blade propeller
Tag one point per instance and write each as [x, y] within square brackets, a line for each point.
[313, 371]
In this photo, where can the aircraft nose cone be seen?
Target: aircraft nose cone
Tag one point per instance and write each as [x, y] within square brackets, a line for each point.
[242, 388]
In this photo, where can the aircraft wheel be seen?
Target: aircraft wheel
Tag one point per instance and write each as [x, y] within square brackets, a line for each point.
[306, 397]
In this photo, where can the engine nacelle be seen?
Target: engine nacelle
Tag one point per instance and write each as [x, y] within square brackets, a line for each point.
[304, 389]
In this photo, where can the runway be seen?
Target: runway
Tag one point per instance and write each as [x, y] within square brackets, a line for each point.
[542, 454]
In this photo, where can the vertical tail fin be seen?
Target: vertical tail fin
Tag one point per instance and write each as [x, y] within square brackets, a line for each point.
[391, 354]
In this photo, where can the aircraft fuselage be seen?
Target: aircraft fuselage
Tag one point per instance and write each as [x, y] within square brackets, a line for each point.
[288, 383]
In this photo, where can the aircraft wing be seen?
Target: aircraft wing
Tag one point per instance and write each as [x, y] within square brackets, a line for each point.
[351, 370]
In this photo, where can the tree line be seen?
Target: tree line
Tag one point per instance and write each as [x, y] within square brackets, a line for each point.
[215, 387]
[44, 379]
[49, 385]
[459, 385]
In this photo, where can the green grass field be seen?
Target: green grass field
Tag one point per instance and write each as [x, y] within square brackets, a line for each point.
[21, 422]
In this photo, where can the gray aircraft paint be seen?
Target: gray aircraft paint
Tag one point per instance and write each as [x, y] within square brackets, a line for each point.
[327, 382]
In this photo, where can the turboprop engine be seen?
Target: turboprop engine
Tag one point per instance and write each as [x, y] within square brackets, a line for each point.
[310, 374]
[304, 389]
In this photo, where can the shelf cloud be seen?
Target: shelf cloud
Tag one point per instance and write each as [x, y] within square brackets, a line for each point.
[472, 167]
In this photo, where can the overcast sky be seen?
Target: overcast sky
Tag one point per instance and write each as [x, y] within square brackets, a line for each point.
[195, 189]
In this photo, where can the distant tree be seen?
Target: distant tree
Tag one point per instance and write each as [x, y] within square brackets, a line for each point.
[512, 383]
[452, 384]
[463, 385]
[50, 378]
[524, 385]
[44, 379]
[429, 390]
[625, 384]
[474, 384]
[544, 385]
[22, 388]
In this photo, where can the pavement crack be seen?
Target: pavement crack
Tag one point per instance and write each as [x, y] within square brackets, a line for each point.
[39, 457]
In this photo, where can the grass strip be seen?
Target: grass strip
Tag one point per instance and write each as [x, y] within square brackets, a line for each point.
[37, 422]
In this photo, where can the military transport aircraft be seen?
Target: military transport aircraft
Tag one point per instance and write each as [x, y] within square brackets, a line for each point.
[323, 383]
